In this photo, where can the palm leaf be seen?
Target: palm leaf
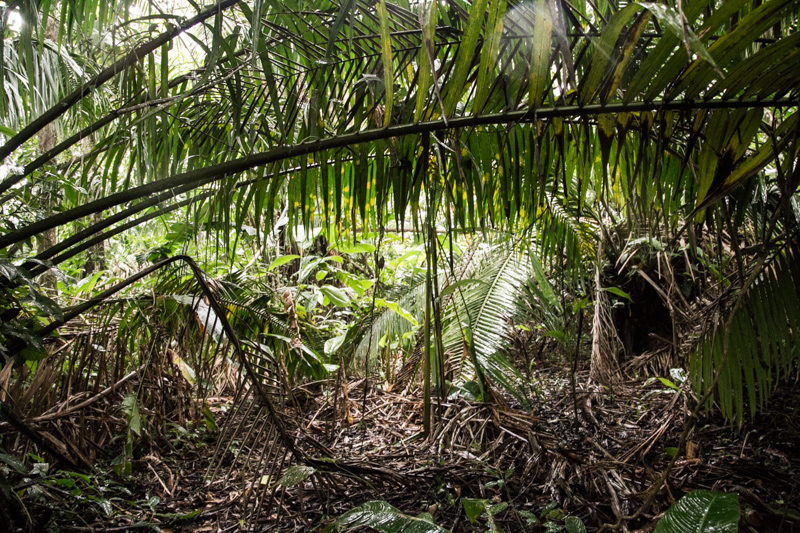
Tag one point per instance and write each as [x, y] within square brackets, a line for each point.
[757, 349]
[480, 314]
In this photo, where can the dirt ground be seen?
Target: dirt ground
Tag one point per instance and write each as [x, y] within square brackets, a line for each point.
[532, 469]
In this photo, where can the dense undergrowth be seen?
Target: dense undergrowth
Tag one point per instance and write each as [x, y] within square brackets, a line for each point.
[485, 467]
[409, 265]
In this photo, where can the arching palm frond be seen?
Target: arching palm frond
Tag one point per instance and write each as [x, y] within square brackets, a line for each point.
[480, 313]
[34, 80]
[743, 355]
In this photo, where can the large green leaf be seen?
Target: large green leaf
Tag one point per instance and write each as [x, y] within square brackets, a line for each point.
[574, 525]
[463, 61]
[336, 295]
[702, 511]
[386, 54]
[383, 517]
[540, 52]
[604, 51]
[282, 260]
[489, 51]
[427, 19]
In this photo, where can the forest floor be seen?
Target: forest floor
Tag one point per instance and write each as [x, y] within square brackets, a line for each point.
[518, 470]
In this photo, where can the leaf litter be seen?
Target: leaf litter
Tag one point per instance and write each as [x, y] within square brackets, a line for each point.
[536, 470]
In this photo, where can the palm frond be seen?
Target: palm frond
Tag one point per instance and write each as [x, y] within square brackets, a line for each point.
[481, 312]
[746, 353]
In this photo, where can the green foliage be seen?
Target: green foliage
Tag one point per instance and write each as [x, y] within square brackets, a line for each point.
[23, 312]
[295, 475]
[14, 463]
[756, 345]
[475, 508]
[282, 260]
[478, 315]
[259, 139]
[702, 511]
[574, 525]
[384, 518]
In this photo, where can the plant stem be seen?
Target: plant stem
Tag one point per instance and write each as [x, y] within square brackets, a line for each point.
[202, 176]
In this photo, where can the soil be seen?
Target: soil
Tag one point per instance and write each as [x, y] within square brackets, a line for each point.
[539, 465]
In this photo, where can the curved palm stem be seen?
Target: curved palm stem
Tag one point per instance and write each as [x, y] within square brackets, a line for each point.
[202, 176]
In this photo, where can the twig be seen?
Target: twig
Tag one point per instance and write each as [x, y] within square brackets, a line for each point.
[91, 400]
[34, 435]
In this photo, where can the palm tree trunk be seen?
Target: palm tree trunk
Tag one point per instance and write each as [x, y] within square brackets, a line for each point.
[47, 139]
[603, 368]
[426, 358]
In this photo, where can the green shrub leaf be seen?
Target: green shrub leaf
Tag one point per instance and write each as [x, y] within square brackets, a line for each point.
[384, 518]
[574, 525]
[282, 260]
[295, 475]
[702, 511]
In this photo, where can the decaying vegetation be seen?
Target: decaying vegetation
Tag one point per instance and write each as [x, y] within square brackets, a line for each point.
[408, 266]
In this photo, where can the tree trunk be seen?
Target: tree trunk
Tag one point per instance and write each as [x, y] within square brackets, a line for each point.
[47, 139]
[604, 368]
